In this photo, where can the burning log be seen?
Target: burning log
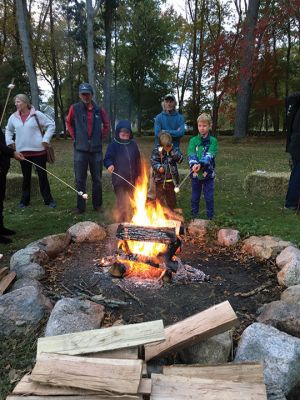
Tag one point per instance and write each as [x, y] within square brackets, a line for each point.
[146, 233]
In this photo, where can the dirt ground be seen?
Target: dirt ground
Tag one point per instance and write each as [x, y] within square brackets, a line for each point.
[233, 275]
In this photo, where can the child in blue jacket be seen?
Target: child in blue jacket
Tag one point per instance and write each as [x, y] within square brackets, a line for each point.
[123, 157]
[202, 150]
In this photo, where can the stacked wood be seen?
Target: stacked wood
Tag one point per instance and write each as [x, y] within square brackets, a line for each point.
[203, 325]
[129, 231]
[6, 281]
[104, 364]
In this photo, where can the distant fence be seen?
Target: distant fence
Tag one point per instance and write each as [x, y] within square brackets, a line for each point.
[227, 132]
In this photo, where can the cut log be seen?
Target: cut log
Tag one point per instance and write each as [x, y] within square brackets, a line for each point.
[235, 372]
[128, 354]
[214, 320]
[183, 388]
[27, 387]
[6, 282]
[146, 233]
[105, 339]
[3, 272]
[103, 375]
[83, 397]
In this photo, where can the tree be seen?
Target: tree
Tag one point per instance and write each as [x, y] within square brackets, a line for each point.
[246, 65]
[22, 20]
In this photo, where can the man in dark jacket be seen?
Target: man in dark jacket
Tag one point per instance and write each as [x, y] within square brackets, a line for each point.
[5, 154]
[88, 125]
[123, 158]
[293, 147]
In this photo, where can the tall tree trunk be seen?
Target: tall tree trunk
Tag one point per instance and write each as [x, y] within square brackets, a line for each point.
[108, 20]
[245, 81]
[90, 45]
[54, 68]
[194, 59]
[21, 11]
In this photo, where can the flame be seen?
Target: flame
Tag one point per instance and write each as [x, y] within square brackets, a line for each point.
[141, 270]
[146, 214]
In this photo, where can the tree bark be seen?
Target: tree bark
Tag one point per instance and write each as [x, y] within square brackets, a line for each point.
[90, 13]
[245, 82]
[27, 53]
[108, 20]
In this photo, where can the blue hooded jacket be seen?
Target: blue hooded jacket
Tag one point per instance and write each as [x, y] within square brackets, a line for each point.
[124, 156]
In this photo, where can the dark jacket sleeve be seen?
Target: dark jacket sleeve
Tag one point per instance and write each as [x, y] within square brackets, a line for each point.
[109, 158]
[156, 159]
[5, 150]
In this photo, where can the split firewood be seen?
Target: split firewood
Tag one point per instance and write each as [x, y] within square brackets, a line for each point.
[3, 271]
[254, 291]
[6, 282]
[146, 233]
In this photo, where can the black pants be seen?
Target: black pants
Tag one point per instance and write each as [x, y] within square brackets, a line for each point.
[43, 179]
[165, 194]
[293, 193]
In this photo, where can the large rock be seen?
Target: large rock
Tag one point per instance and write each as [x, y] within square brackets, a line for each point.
[290, 273]
[86, 231]
[283, 316]
[55, 244]
[20, 283]
[211, 351]
[28, 255]
[291, 294]
[21, 310]
[228, 237]
[74, 315]
[264, 247]
[31, 270]
[198, 228]
[287, 255]
[279, 352]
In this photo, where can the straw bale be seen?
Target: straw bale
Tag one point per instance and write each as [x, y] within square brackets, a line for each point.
[266, 183]
[14, 185]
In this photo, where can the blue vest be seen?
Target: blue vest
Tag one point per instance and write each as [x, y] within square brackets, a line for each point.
[82, 141]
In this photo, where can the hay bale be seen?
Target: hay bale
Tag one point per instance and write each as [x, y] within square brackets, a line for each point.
[14, 185]
[266, 183]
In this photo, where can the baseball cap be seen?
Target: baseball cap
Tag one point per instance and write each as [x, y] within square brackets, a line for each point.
[169, 96]
[85, 88]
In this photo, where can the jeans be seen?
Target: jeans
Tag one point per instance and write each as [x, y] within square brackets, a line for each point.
[208, 186]
[43, 179]
[293, 193]
[82, 161]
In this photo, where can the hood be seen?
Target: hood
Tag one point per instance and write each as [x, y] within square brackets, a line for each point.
[123, 124]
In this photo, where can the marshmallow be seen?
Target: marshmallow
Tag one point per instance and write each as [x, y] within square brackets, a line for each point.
[176, 189]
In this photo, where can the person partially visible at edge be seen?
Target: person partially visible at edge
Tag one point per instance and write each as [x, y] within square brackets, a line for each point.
[88, 125]
[202, 151]
[292, 200]
[164, 160]
[5, 154]
[123, 157]
[23, 126]
[172, 122]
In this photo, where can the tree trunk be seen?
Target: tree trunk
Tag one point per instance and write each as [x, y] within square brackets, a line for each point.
[108, 20]
[27, 54]
[54, 69]
[245, 81]
[90, 45]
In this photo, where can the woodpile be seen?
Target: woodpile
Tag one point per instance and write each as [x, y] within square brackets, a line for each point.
[107, 364]
[6, 279]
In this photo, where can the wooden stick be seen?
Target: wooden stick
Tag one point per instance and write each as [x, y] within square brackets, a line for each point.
[6, 101]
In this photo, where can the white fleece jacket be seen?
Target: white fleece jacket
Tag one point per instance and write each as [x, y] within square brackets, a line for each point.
[28, 136]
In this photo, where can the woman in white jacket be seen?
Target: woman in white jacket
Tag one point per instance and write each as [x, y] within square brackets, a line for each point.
[23, 125]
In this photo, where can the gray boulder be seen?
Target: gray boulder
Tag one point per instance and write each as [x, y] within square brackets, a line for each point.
[55, 244]
[264, 247]
[74, 315]
[86, 231]
[21, 310]
[31, 270]
[283, 316]
[28, 255]
[279, 352]
[20, 283]
[291, 294]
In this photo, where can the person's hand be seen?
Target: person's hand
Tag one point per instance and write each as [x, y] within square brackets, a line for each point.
[168, 148]
[45, 145]
[196, 168]
[110, 169]
[204, 174]
[18, 156]
[161, 170]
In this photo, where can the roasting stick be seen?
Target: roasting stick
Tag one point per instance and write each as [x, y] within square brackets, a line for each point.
[10, 88]
[184, 179]
[120, 176]
[84, 195]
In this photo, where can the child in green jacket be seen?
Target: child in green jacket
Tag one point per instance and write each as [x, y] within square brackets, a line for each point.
[201, 154]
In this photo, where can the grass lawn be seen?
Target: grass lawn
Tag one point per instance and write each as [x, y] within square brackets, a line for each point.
[251, 215]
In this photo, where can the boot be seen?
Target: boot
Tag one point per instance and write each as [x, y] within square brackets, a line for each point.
[5, 240]
[4, 231]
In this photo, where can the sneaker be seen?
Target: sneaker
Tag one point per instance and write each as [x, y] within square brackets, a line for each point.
[77, 211]
[22, 205]
[7, 232]
[52, 204]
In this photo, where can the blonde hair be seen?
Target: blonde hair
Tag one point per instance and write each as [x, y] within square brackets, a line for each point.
[204, 117]
[165, 139]
[24, 98]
